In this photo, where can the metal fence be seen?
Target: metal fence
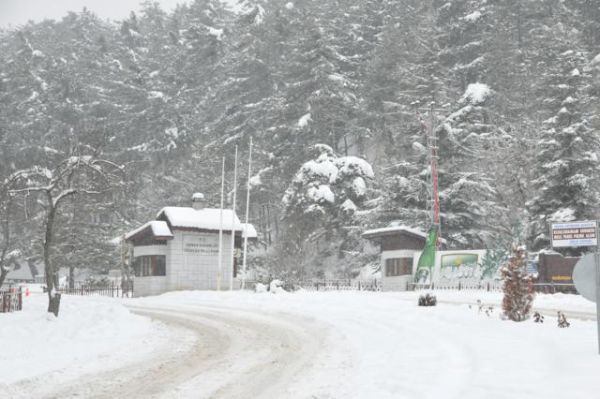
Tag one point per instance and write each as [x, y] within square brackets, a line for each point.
[458, 286]
[11, 300]
[112, 289]
[335, 285]
[493, 286]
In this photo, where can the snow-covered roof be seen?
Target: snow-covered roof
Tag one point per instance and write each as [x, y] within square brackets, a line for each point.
[159, 228]
[249, 230]
[395, 228]
[202, 219]
[390, 230]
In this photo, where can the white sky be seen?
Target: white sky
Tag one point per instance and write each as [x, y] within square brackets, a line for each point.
[17, 12]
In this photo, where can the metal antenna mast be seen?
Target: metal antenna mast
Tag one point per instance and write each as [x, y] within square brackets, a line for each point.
[433, 151]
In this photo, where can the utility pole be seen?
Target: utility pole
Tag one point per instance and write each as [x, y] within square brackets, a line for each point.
[245, 230]
[220, 260]
[233, 220]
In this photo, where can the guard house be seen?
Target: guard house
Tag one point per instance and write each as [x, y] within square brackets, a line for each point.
[399, 244]
[180, 249]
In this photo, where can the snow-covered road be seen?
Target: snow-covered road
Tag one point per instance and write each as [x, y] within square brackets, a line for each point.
[348, 345]
[237, 354]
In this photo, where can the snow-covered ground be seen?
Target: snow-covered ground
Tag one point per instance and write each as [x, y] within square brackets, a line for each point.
[381, 345]
[574, 305]
[91, 334]
[317, 345]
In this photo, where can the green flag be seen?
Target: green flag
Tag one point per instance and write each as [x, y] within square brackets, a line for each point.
[427, 258]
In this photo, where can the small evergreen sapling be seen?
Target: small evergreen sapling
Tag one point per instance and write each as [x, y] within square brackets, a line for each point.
[517, 287]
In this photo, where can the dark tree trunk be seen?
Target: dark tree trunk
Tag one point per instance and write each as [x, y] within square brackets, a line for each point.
[3, 254]
[54, 304]
[3, 274]
[53, 297]
[71, 277]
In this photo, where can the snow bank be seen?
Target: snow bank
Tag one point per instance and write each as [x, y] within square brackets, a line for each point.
[568, 303]
[90, 334]
[276, 287]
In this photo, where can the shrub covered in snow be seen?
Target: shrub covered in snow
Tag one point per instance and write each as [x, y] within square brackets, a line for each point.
[427, 300]
[276, 287]
[260, 288]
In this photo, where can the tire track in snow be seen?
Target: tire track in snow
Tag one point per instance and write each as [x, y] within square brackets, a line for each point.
[237, 355]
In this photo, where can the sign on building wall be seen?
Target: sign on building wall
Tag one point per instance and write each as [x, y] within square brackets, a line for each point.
[574, 234]
[200, 245]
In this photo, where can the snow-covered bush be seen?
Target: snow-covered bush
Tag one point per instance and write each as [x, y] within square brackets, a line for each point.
[276, 287]
[427, 300]
[260, 288]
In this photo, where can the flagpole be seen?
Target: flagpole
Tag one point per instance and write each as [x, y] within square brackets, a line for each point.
[233, 220]
[245, 232]
[220, 260]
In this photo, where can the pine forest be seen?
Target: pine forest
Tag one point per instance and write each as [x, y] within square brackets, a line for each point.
[103, 123]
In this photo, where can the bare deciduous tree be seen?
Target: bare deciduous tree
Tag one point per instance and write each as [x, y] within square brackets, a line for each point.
[74, 175]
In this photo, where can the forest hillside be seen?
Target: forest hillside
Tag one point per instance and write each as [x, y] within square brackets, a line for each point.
[337, 97]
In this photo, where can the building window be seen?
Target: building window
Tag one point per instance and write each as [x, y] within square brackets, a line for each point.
[398, 267]
[153, 265]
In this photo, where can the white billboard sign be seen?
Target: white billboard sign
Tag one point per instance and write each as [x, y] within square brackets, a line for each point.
[574, 234]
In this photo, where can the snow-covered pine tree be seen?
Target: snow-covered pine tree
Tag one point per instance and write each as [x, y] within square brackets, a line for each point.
[321, 204]
[566, 180]
[468, 198]
[517, 286]
[401, 75]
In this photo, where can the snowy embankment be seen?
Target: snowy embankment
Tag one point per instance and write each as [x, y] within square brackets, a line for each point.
[91, 334]
[572, 305]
